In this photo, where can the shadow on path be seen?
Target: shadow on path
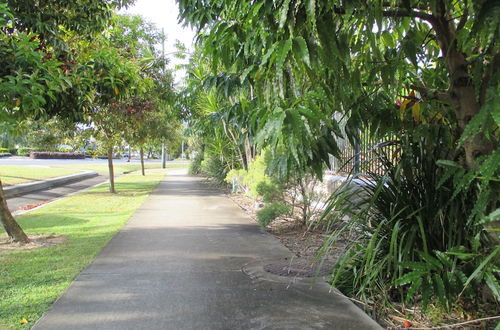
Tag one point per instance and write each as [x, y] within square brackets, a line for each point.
[178, 264]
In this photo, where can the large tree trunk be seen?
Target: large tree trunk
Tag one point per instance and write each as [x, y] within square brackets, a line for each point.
[12, 228]
[461, 91]
[111, 170]
[142, 161]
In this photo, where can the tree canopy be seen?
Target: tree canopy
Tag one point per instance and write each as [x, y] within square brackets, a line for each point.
[357, 58]
[299, 77]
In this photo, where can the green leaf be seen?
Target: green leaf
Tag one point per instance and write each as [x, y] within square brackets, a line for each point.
[408, 278]
[440, 290]
[426, 293]
[492, 283]
[284, 13]
[301, 52]
[492, 217]
[415, 286]
[284, 49]
[245, 73]
[448, 163]
[268, 54]
[478, 270]
[311, 12]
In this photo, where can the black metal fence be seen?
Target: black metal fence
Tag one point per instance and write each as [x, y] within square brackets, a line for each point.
[365, 156]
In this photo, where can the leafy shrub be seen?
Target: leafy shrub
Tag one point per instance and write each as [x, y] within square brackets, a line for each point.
[271, 211]
[235, 177]
[25, 151]
[213, 167]
[255, 182]
[419, 237]
[269, 192]
[195, 166]
[91, 153]
[256, 174]
[4, 150]
[64, 149]
[55, 155]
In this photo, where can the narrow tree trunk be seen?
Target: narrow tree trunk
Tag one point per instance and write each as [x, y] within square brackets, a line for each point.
[305, 201]
[129, 154]
[111, 171]
[12, 228]
[142, 161]
[163, 156]
[248, 152]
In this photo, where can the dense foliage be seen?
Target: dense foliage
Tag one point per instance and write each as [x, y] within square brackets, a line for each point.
[81, 62]
[41, 75]
[295, 75]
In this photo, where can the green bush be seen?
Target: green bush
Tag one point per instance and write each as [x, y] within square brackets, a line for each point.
[4, 150]
[271, 211]
[64, 149]
[256, 174]
[235, 178]
[419, 237]
[195, 166]
[270, 192]
[25, 151]
[213, 167]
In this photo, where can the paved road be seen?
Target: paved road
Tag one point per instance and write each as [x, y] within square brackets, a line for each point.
[36, 197]
[178, 264]
[23, 161]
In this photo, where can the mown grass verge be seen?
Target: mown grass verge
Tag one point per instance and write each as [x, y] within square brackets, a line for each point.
[12, 175]
[31, 280]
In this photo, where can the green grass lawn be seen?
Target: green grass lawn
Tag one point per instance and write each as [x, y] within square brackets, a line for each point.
[11, 175]
[31, 280]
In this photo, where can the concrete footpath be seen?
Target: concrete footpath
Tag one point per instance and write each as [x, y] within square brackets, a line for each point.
[189, 259]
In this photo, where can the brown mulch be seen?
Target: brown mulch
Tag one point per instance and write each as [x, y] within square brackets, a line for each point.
[303, 242]
[36, 242]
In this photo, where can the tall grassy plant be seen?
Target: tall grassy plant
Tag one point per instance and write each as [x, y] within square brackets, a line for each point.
[418, 238]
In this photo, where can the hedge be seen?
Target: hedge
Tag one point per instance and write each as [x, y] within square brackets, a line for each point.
[55, 155]
[25, 151]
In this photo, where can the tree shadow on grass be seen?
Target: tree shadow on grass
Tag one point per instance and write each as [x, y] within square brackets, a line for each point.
[36, 221]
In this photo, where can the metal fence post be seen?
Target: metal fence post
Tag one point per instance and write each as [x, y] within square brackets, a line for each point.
[357, 155]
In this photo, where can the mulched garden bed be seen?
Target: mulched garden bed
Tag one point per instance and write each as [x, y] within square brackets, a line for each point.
[305, 243]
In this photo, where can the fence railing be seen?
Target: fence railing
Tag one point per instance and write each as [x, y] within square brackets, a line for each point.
[364, 156]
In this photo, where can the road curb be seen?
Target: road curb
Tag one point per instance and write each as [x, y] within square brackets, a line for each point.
[24, 188]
